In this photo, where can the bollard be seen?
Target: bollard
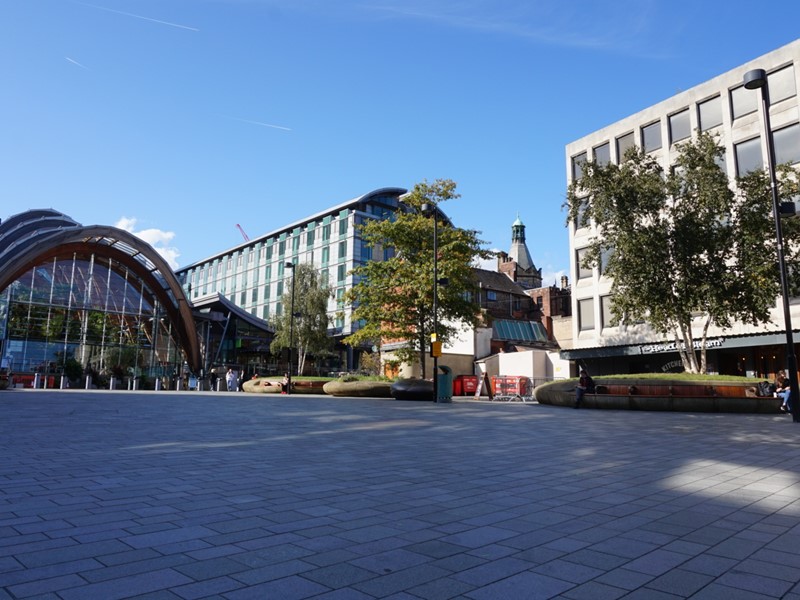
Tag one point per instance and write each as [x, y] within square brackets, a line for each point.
[88, 382]
[178, 384]
[112, 383]
[64, 382]
[158, 384]
[36, 381]
[135, 383]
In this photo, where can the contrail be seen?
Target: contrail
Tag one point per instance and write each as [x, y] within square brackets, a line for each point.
[258, 123]
[75, 62]
[127, 14]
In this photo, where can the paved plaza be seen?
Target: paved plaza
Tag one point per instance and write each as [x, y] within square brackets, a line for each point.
[179, 496]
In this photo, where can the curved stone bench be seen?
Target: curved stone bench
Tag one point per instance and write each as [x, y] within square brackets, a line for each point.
[413, 389]
[663, 395]
[358, 389]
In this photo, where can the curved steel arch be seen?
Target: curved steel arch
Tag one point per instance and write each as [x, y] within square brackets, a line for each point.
[128, 250]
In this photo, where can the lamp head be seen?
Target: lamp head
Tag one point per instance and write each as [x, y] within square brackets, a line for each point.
[289, 265]
[755, 79]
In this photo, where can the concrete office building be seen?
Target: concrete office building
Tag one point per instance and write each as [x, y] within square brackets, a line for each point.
[253, 275]
[722, 106]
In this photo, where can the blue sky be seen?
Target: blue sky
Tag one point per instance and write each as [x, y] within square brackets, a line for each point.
[178, 119]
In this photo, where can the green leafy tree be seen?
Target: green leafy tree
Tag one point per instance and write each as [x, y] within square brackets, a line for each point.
[309, 296]
[683, 247]
[393, 298]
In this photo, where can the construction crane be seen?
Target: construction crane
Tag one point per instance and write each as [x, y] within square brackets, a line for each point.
[244, 235]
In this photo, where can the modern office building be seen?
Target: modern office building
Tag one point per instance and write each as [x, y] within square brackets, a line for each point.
[254, 277]
[722, 106]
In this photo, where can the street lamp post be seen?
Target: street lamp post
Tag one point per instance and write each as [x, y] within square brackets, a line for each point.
[757, 78]
[290, 265]
[431, 209]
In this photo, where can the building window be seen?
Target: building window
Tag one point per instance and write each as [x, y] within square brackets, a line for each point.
[265, 312]
[250, 256]
[709, 113]
[282, 248]
[787, 144]
[743, 101]
[278, 309]
[343, 226]
[266, 292]
[585, 315]
[651, 136]
[295, 244]
[605, 256]
[342, 249]
[310, 239]
[540, 302]
[602, 154]
[268, 275]
[781, 84]
[254, 296]
[239, 260]
[491, 295]
[577, 166]
[242, 298]
[341, 272]
[324, 277]
[263, 252]
[280, 290]
[582, 218]
[606, 315]
[679, 126]
[748, 156]
[366, 252]
[624, 143]
[584, 269]
[326, 232]
[326, 255]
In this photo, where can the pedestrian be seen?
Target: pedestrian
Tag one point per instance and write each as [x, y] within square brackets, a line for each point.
[230, 379]
[585, 384]
[285, 383]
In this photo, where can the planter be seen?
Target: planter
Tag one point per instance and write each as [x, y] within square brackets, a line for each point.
[359, 389]
[661, 395]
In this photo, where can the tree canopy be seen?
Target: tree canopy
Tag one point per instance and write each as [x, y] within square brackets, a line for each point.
[308, 296]
[683, 248]
[393, 298]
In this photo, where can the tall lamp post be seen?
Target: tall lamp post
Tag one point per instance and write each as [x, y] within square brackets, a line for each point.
[430, 209]
[290, 265]
[757, 78]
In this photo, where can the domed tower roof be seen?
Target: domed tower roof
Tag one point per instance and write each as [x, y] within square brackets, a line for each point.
[519, 249]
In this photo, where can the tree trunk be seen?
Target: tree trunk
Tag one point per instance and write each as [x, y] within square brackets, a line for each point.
[422, 350]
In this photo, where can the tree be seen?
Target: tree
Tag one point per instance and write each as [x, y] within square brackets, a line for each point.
[309, 298]
[393, 298]
[683, 246]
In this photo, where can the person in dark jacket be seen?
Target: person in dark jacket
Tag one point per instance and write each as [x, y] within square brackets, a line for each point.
[585, 384]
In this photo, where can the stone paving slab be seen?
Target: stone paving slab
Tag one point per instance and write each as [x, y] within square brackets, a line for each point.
[164, 496]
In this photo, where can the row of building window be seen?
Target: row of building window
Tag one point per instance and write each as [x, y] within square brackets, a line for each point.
[709, 115]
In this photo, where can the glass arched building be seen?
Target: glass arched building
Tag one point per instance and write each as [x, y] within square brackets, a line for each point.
[90, 299]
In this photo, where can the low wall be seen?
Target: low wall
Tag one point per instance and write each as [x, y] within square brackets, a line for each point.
[663, 395]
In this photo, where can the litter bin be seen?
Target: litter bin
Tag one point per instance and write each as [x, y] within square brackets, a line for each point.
[444, 383]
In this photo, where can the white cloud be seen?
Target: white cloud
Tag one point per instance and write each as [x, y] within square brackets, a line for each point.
[160, 240]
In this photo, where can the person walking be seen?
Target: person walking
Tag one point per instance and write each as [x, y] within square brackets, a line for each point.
[230, 379]
[585, 384]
